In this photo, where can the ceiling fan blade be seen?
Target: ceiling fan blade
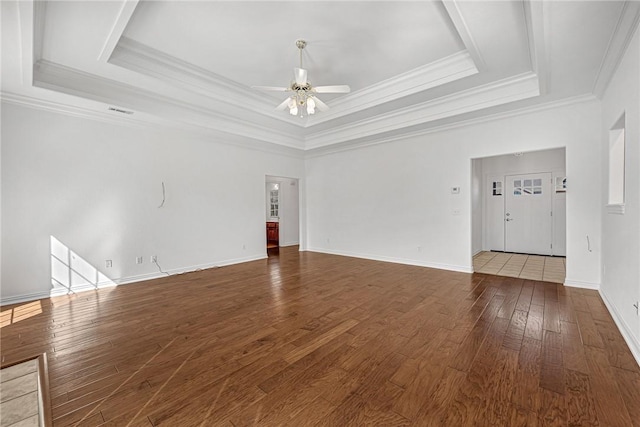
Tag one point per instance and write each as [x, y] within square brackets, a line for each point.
[300, 75]
[271, 88]
[332, 89]
[284, 105]
[320, 105]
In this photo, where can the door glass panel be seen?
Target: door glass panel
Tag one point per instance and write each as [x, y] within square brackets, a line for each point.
[537, 182]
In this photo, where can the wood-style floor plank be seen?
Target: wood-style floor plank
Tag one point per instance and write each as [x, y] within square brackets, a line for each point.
[306, 339]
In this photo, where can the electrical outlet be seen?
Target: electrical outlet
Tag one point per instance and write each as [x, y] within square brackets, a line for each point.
[108, 263]
[244, 247]
[154, 258]
[419, 248]
[138, 260]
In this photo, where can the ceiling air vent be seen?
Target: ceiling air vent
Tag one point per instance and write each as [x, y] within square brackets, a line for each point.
[119, 110]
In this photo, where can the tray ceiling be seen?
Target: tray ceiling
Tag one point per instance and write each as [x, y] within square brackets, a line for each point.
[411, 65]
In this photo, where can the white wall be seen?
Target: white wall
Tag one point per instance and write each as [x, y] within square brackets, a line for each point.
[477, 214]
[96, 187]
[621, 233]
[289, 227]
[393, 201]
[530, 162]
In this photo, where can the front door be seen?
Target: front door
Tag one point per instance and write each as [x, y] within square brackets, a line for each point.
[528, 210]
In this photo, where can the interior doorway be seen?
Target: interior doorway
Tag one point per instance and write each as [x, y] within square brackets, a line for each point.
[519, 207]
[282, 207]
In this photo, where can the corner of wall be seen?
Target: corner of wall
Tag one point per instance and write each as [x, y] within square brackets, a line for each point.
[625, 330]
[582, 284]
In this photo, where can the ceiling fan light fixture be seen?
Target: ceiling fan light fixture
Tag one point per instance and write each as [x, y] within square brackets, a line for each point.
[293, 106]
[311, 106]
[302, 92]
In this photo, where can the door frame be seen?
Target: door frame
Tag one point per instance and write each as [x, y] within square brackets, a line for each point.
[280, 179]
[558, 169]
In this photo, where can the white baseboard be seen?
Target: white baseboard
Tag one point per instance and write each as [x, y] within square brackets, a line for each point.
[56, 292]
[182, 270]
[284, 245]
[632, 342]
[439, 266]
[23, 298]
[125, 280]
[582, 284]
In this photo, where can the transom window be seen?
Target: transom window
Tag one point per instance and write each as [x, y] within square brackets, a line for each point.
[524, 187]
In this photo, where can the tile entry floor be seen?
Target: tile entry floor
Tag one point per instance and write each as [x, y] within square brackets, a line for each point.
[523, 266]
[19, 395]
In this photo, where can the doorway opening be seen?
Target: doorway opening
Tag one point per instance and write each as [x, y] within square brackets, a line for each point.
[282, 208]
[519, 215]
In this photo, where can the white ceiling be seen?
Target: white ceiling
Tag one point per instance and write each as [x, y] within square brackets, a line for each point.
[412, 65]
[254, 43]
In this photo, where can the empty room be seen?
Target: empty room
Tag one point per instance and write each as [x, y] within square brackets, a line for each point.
[337, 213]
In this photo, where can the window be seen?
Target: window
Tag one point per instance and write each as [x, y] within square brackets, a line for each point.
[274, 203]
[616, 166]
[497, 188]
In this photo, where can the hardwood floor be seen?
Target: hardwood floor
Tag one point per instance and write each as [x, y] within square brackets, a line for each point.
[314, 339]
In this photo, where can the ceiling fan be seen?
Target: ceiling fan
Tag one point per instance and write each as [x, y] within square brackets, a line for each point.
[303, 94]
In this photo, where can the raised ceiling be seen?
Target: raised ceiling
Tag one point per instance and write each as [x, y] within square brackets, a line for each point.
[412, 65]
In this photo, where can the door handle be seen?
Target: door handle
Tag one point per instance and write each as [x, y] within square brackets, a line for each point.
[509, 219]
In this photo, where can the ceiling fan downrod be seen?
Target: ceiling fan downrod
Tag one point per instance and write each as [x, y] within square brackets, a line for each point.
[301, 44]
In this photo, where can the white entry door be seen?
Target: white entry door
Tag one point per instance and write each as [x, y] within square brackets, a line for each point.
[528, 221]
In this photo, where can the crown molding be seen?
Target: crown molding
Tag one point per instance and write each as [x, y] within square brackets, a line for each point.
[142, 124]
[323, 151]
[73, 111]
[445, 70]
[67, 80]
[503, 91]
[138, 57]
[27, 24]
[623, 33]
[39, 15]
[120, 24]
[534, 17]
[452, 8]
[110, 118]
[143, 59]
